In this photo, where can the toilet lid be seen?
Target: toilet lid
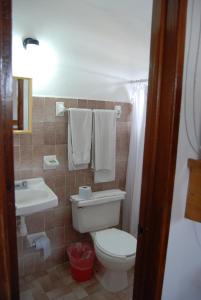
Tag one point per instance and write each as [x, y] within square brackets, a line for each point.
[116, 242]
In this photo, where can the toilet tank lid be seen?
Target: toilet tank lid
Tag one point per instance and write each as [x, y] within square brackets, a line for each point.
[98, 198]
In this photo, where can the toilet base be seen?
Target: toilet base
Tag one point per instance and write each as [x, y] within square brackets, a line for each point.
[112, 281]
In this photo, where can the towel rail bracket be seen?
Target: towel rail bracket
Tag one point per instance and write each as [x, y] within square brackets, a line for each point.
[60, 110]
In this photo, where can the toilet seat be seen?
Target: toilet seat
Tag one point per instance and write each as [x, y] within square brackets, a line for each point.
[115, 243]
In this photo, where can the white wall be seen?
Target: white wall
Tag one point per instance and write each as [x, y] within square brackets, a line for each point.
[88, 49]
[182, 279]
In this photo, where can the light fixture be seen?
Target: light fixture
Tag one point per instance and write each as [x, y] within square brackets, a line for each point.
[30, 41]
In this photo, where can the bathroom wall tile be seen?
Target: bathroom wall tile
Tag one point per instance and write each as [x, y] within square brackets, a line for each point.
[81, 178]
[126, 111]
[49, 136]
[71, 235]
[123, 140]
[50, 235]
[100, 104]
[61, 194]
[19, 246]
[88, 177]
[26, 157]
[121, 173]
[16, 157]
[61, 153]
[109, 105]
[26, 174]
[49, 133]
[61, 215]
[17, 173]
[38, 152]
[61, 132]
[57, 217]
[50, 110]
[16, 139]
[35, 222]
[49, 179]
[37, 172]
[59, 235]
[60, 180]
[49, 219]
[25, 139]
[71, 187]
[38, 109]
[110, 185]
[59, 255]
[83, 104]
[97, 187]
[70, 103]
[38, 134]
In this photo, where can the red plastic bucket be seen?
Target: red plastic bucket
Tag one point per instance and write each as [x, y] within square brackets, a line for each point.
[81, 275]
[81, 258]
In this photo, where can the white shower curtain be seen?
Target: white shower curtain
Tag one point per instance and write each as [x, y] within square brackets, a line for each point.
[131, 204]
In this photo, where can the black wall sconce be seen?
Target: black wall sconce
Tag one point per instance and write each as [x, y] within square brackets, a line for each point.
[30, 41]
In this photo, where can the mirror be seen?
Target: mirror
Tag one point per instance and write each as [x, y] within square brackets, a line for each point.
[22, 105]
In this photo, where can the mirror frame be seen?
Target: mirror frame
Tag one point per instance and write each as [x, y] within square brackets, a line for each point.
[29, 130]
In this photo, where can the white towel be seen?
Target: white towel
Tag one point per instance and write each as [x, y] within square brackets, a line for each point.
[104, 145]
[79, 138]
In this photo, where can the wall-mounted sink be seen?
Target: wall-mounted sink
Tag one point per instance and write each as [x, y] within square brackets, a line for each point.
[33, 195]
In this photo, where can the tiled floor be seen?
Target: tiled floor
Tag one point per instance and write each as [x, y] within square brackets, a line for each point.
[57, 283]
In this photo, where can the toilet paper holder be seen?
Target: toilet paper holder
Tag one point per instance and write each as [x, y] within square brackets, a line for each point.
[45, 245]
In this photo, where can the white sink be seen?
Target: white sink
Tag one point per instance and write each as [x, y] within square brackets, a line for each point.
[36, 197]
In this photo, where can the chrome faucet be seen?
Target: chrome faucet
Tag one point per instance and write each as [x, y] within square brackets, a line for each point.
[21, 185]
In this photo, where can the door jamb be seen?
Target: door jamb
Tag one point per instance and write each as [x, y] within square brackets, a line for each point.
[8, 246]
[161, 137]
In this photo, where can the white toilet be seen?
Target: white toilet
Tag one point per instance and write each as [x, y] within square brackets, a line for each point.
[115, 249]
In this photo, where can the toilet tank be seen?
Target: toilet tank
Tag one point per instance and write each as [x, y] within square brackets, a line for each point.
[101, 211]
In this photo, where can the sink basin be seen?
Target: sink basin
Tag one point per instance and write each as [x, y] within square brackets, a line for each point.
[35, 197]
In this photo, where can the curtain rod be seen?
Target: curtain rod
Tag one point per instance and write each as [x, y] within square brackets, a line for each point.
[139, 80]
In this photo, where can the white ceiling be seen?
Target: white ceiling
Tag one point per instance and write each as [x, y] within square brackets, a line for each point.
[106, 37]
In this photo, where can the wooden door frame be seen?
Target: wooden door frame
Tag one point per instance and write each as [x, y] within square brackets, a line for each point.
[8, 245]
[164, 98]
[161, 137]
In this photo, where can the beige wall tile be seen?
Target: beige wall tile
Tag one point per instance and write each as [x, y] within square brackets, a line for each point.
[26, 157]
[25, 139]
[83, 104]
[35, 222]
[59, 236]
[49, 137]
[16, 157]
[38, 134]
[16, 139]
[61, 129]
[38, 109]
[50, 109]
[49, 133]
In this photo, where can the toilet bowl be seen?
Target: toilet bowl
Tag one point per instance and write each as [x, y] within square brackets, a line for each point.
[115, 250]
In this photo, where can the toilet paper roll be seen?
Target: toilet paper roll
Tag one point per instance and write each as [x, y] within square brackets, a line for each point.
[85, 192]
[43, 243]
